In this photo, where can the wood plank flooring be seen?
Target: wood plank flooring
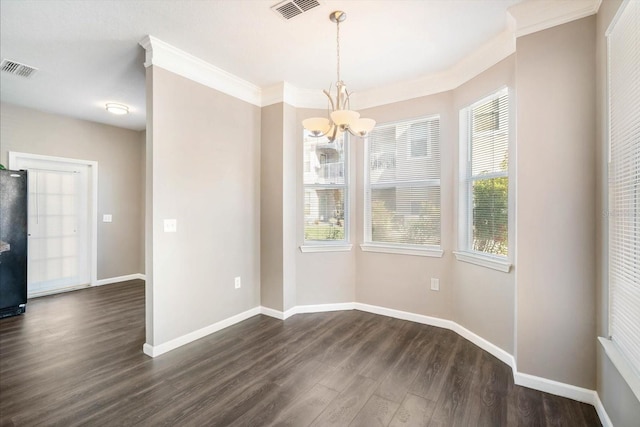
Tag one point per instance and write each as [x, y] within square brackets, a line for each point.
[76, 359]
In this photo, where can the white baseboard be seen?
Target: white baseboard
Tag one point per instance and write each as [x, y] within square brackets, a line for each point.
[118, 279]
[55, 291]
[405, 315]
[157, 350]
[602, 413]
[271, 313]
[537, 383]
[315, 308]
[320, 308]
[554, 387]
[441, 323]
[487, 346]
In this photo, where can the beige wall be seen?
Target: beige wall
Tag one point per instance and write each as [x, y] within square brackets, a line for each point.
[143, 177]
[402, 282]
[555, 274]
[118, 154]
[323, 278]
[204, 164]
[271, 208]
[290, 164]
[278, 206]
[477, 298]
[484, 299]
[619, 401]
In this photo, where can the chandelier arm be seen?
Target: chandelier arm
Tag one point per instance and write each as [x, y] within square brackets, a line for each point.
[333, 107]
[347, 101]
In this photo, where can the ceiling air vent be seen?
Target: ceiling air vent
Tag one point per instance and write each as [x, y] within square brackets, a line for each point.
[290, 8]
[17, 69]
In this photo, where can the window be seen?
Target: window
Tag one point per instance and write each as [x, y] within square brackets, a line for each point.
[402, 193]
[419, 137]
[624, 194]
[484, 181]
[325, 190]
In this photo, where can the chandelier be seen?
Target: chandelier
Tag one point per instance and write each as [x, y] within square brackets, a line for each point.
[341, 117]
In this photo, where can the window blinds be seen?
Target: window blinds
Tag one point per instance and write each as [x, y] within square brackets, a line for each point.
[624, 183]
[487, 180]
[403, 183]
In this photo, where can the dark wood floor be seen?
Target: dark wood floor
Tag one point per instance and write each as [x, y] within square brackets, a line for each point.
[76, 359]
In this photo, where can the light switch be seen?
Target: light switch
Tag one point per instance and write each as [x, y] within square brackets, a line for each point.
[107, 218]
[170, 226]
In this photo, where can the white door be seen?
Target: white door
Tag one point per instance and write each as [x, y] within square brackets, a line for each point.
[59, 228]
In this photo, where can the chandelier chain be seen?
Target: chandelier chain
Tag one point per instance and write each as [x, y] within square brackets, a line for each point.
[338, 48]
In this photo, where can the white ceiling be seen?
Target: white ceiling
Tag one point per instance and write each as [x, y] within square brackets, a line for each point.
[87, 51]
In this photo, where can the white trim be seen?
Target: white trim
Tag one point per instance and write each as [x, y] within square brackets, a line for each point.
[483, 261]
[93, 214]
[402, 250]
[315, 308]
[157, 350]
[56, 291]
[537, 383]
[100, 282]
[533, 16]
[522, 18]
[487, 346]
[326, 248]
[488, 55]
[602, 413]
[320, 308]
[292, 95]
[119, 279]
[177, 61]
[441, 323]
[613, 23]
[276, 314]
[405, 315]
[554, 387]
[621, 364]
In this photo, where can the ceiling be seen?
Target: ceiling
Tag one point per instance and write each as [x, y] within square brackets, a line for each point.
[88, 51]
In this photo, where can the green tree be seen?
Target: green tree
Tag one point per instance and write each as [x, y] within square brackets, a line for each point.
[490, 215]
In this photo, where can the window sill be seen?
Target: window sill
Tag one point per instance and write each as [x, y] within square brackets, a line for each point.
[342, 247]
[483, 261]
[402, 250]
[621, 364]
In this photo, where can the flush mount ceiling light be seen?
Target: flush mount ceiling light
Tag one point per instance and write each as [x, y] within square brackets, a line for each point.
[118, 109]
[341, 117]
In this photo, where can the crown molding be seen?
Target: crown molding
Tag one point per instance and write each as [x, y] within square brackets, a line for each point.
[292, 95]
[489, 54]
[533, 16]
[522, 18]
[177, 61]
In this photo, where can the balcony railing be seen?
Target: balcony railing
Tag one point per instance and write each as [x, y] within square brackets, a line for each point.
[327, 173]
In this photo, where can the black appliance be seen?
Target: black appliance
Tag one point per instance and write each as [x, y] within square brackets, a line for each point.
[13, 242]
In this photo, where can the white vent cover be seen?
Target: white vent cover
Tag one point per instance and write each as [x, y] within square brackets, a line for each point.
[17, 69]
[290, 8]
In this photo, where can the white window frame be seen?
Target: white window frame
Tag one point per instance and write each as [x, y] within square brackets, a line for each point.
[343, 245]
[465, 253]
[618, 356]
[393, 248]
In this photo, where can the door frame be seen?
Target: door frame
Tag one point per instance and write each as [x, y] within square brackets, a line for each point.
[14, 156]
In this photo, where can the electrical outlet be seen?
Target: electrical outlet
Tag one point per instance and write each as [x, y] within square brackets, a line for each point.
[435, 284]
[107, 218]
[170, 226]
[238, 282]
